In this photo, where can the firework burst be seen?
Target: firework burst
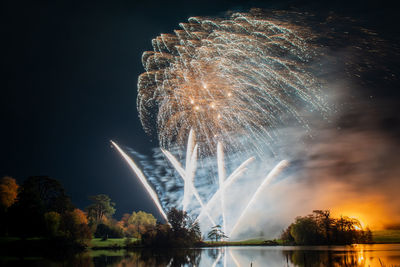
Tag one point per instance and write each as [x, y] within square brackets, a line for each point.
[226, 78]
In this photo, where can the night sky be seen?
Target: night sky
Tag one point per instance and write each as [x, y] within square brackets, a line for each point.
[69, 85]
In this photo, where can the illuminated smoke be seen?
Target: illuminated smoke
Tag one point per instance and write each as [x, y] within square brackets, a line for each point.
[256, 196]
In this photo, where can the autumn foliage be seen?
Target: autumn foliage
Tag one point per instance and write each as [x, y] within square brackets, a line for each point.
[8, 192]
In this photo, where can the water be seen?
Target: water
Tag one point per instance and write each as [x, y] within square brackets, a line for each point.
[354, 255]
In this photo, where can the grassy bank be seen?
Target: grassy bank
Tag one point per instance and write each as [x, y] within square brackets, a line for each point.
[379, 236]
[13, 243]
[250, 242]
[386, 236]
[110, 243]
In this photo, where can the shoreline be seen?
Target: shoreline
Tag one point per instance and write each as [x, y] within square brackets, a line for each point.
[227, 244]
[36, 244]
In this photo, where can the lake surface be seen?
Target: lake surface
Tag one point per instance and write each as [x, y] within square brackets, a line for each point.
[354, 255]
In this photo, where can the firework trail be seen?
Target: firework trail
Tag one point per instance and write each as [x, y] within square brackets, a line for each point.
[243, 75]
[221, 180]
[188, 174]
[229, 181]
[142, 179]
[271, 175]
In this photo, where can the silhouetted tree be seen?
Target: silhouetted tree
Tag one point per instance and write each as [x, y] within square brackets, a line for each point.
[216, 233]
[320, 228]
[184, 228]
[305, 231]
[324, 220]
[182, 231]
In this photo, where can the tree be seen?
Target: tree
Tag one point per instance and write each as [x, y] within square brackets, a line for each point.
[184, 230]
[125, 219]
[52, 220]
[8, 192]
[158, 236]
[216, 233]
[320, 228]
[287, 237]
[305, 231]
[37, 196]
[45, 193]
[179, 220]
[181, 231]
[78, 217]
[8, 196]
[142, 220]
[75, 227]
[324, 220]
[101, 208]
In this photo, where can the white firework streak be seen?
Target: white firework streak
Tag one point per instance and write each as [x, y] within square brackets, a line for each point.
[142, 179]
[270, 177]
[188, 174]
[217, 259]
[221, 179]
[232, 178]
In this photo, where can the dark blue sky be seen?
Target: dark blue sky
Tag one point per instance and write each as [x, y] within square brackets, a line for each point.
[69, 86]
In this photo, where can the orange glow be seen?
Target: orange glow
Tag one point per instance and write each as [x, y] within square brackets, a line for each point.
[370, 213]
[360, 256]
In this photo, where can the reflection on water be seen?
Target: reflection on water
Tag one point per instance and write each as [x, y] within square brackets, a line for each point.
[356, 255]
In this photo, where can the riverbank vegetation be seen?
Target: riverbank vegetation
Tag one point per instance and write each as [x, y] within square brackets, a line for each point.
[320, 228]
[39, 208]
[181, 231]
[38, 214]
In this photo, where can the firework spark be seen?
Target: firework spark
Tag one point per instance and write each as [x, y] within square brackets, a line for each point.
[224, 78]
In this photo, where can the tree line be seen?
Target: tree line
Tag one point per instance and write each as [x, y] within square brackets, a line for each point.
[320, 228]
[39, 207]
